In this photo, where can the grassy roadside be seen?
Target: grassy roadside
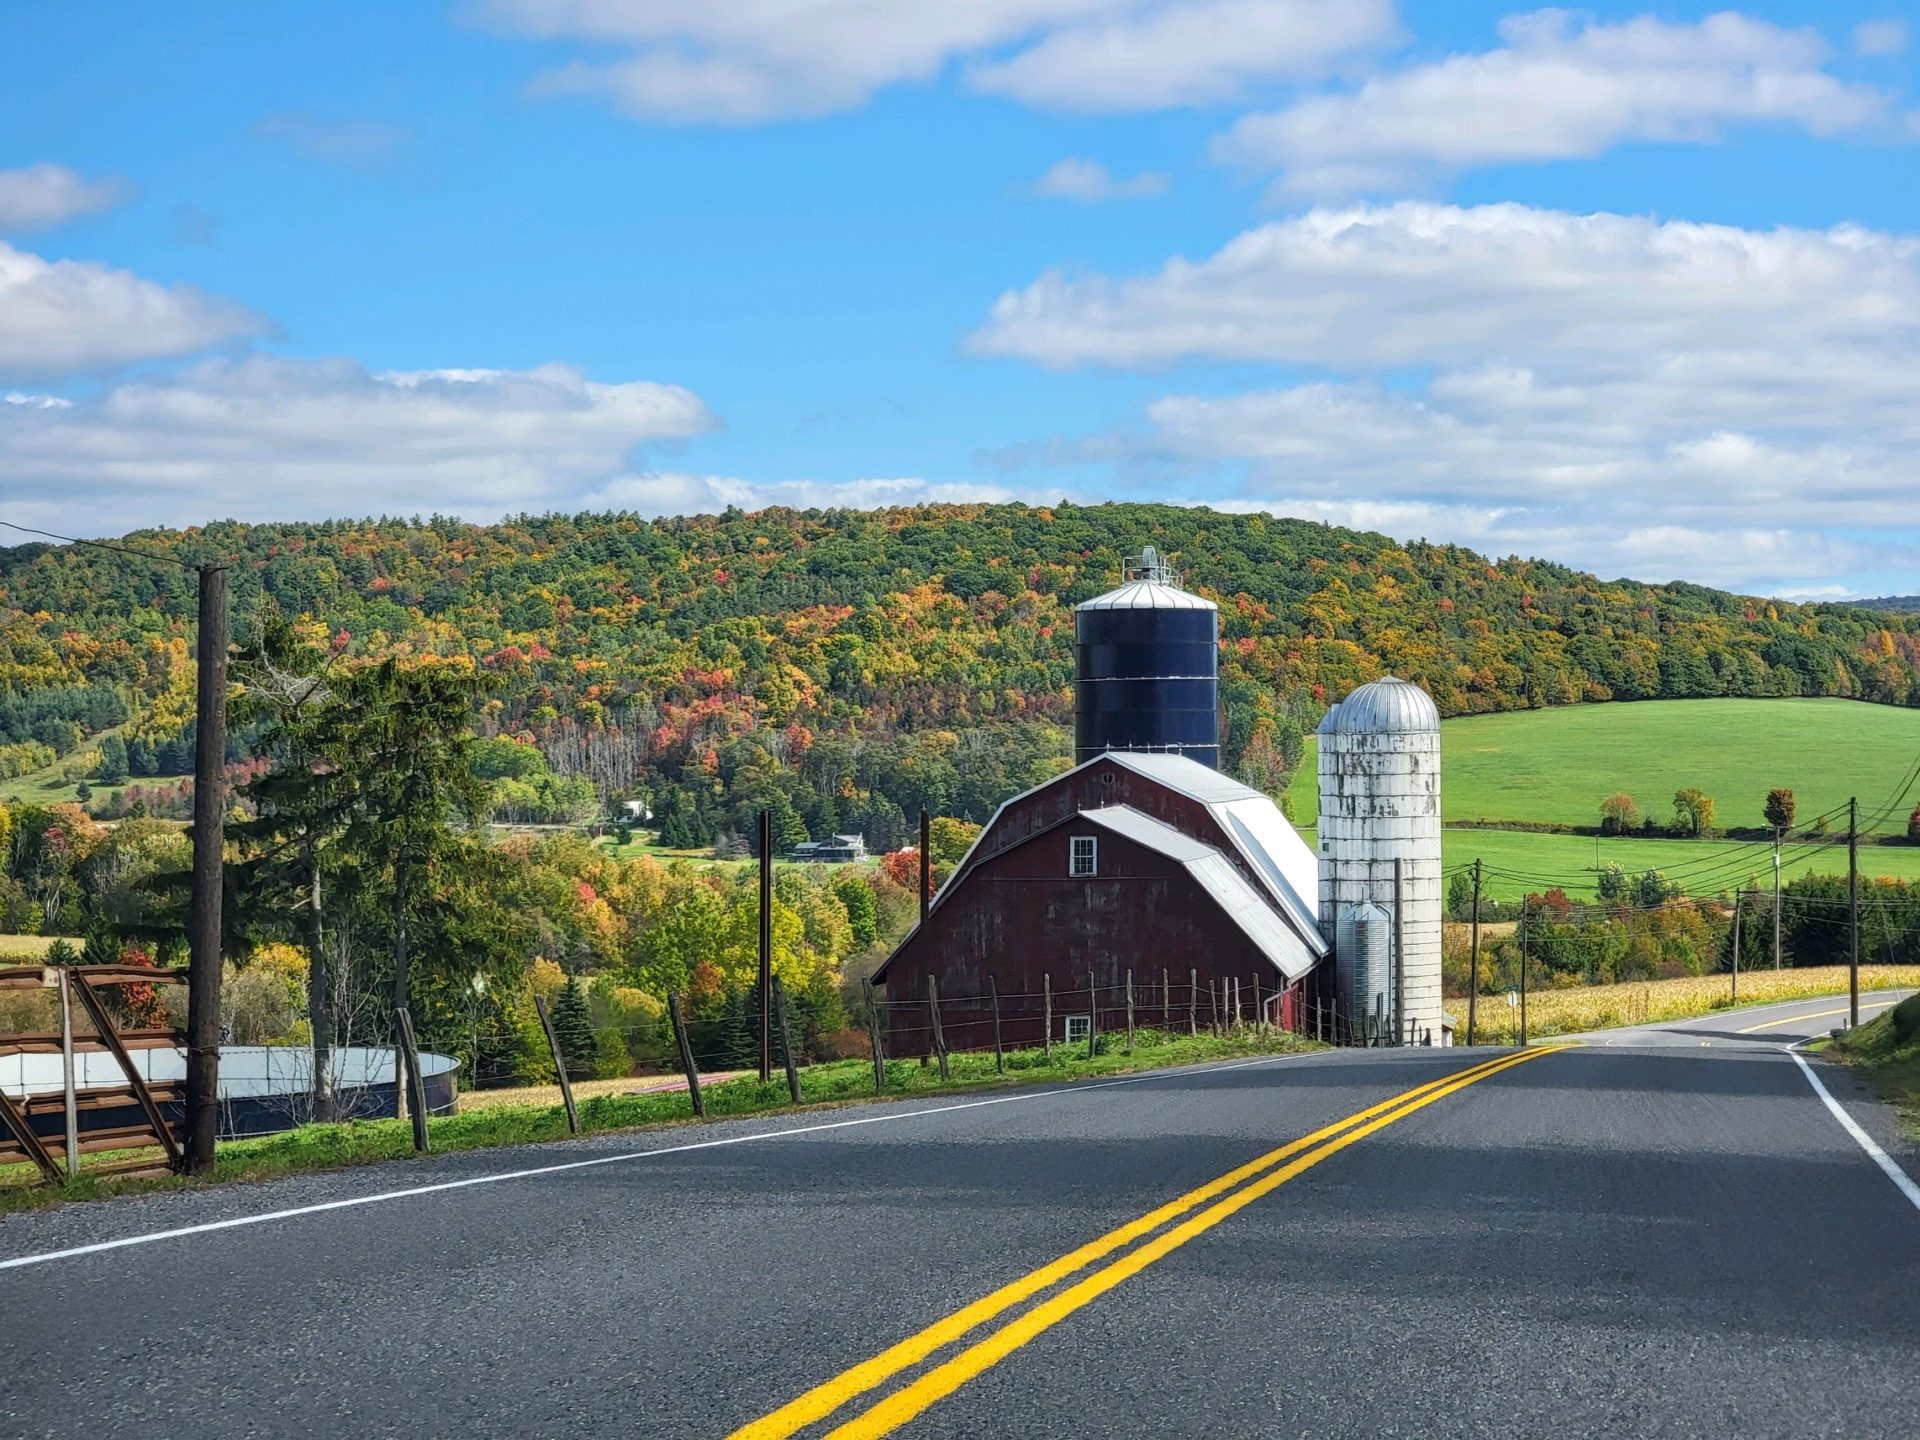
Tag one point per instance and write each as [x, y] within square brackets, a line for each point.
[840, 1082]
[1886, 1050]
[1605, 1007]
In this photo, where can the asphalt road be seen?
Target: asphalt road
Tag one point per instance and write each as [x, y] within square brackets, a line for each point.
[1657, 1232]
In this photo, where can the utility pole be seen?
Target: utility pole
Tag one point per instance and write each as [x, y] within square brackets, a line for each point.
[1739, 904]
[926, 864]
[766, 945]
[209, 827]
[1526, 909]
[1853, 914]
[1473, 968]
[1776, 897]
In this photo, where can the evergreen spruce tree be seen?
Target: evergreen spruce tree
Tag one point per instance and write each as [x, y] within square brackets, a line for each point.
[573, 1028]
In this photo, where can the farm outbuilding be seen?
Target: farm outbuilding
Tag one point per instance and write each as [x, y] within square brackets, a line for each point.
[1144, 865]
[1144, 881]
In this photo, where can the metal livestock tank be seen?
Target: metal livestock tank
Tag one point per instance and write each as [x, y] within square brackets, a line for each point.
[1147, 667]
[1380, 808]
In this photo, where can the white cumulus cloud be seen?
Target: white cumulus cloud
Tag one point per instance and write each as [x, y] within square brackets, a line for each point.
[1200, 53]
[37, 197]
[1561, 86]
[269, 438]
[748, 61]
[1657, 398]
[1880, 37]
[67, 316]
[1090, 182]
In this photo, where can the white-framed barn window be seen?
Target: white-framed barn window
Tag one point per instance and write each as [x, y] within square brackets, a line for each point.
[1078, 1028]
[1084, 857]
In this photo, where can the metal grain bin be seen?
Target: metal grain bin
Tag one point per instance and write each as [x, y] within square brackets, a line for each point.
[1147, 668]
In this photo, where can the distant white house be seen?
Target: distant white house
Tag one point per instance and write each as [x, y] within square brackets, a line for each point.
[835, 850]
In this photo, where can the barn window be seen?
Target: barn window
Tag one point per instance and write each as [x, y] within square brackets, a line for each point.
[1078, 1028]
[1084, 858]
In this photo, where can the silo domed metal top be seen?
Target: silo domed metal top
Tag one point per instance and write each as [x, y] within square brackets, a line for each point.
[1149, 583]
[1387, 706]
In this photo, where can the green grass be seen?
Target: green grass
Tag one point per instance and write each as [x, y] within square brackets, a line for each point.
[20, 948]
[1557, 765]
[1887, 1051]
[1704, 866]
[840, 1082]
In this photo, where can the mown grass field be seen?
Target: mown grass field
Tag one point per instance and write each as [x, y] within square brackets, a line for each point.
[839, 1082]
[1557, 765]
[1707, 867]
[19, 948]
[1580, 1008]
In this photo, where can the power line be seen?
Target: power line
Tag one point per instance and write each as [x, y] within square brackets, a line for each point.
[104, 545]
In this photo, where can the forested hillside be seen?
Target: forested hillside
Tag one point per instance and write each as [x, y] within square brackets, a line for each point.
[848, 667]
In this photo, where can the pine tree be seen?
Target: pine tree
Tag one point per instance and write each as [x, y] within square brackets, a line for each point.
[113, 760]
[573, 1028]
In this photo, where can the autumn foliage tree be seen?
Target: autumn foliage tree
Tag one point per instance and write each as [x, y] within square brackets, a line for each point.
[1780, 808]
[1619, 813]
[1692, 813]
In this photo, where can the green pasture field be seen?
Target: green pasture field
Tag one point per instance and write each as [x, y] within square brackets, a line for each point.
[1705, 867]
[1557, 765]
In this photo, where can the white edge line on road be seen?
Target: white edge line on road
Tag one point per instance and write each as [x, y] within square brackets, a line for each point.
[1880, 1157]
[237, 1221]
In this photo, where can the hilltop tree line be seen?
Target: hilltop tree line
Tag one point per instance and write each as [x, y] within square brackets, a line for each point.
[845, 668]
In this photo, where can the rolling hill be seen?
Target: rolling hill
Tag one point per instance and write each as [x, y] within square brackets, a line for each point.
[852, 666]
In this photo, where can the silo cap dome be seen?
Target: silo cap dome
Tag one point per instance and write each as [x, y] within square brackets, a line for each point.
[1388, 706]
[1330, 721]
[1146, 595]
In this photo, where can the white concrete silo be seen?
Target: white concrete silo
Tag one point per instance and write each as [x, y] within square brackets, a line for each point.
[1380, 804]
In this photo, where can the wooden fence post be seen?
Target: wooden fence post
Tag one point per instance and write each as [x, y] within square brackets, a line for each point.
[559, 1065]
[417, 1087]
[786, 1039]
[66, 1075]
[686, 1055]
[939, 1037]
[1193, 1002]
[1166, 1000]
[1257, 1015]
[1093, 1015]
[1046, 1017]
[1129, 1012]
[873, 1034]
[993, 995]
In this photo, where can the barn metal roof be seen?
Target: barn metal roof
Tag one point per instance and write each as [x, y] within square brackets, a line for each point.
[1284, 862]
[1225, 885]
[1147, 595]
[1192, 779]
[1288, 868]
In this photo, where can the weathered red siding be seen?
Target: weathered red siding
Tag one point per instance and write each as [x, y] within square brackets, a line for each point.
[1014, 914]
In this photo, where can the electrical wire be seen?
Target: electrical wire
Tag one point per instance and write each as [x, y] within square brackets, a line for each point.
[147, 555]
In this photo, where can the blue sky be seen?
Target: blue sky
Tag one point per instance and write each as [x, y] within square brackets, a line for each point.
[1637, 290]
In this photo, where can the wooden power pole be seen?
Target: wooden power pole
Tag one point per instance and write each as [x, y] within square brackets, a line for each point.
[209, 826]
[1853, 914]
[1473, 965]
[766, 946]
[1776, 897]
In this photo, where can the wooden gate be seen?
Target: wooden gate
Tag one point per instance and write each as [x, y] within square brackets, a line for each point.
[91, 1114]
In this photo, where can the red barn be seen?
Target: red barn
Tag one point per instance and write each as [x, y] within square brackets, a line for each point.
[1149, 866]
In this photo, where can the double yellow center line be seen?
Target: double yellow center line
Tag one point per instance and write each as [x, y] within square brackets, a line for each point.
[1254, 1179]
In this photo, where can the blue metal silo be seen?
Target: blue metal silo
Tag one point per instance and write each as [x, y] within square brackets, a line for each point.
[1147, 667]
